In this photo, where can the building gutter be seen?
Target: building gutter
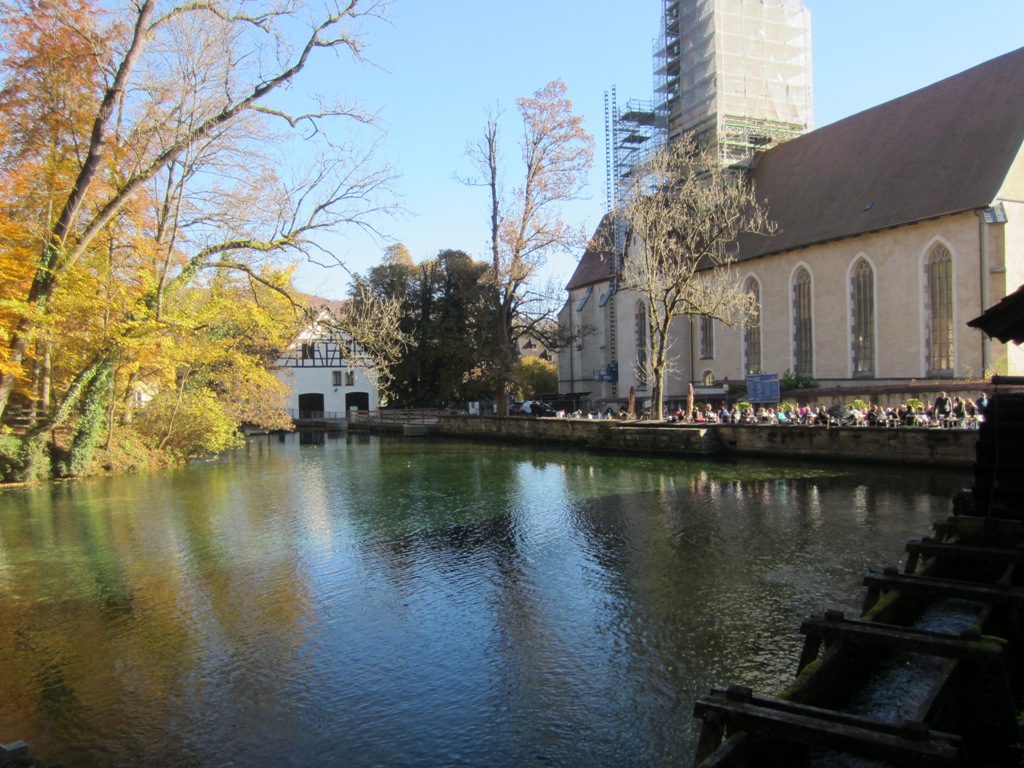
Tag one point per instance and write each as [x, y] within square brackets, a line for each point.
[983, 281]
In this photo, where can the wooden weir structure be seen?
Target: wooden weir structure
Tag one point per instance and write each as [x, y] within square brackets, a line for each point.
[954, 615]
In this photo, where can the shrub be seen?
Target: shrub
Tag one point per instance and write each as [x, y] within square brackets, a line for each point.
[793, 380]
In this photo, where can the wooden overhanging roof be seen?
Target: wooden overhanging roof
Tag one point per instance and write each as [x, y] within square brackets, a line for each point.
[944, 149]
[1005, 320]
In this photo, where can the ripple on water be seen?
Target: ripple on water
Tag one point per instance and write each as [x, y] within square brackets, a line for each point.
[384, 603]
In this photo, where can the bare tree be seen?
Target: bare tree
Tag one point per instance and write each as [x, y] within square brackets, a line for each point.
[685, 212]
[526, 222]
[371, 327]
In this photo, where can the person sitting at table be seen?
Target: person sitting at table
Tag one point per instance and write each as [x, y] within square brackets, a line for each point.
[959, 413]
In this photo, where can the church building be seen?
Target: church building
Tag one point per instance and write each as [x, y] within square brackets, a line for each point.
[893, 228]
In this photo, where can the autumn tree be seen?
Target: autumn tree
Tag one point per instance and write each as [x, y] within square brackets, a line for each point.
[684, 212]
[149, 150]
[526, 220]
[536, 377]
[443, 314]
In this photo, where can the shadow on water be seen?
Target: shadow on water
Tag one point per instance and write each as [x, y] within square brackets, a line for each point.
[365, 601]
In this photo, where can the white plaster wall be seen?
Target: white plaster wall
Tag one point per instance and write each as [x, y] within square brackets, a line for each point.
[310, 379]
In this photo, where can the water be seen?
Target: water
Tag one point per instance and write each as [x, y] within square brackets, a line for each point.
[373, 602]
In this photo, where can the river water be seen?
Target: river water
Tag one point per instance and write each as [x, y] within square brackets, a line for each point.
[375, 602]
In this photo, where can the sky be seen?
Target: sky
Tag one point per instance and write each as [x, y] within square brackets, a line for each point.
[438, 65]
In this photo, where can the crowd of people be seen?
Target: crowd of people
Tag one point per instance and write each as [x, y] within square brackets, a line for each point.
[945, 412]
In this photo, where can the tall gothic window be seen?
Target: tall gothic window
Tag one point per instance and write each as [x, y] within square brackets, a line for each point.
[803, 342]
[707, 337]
[752, 330]
[862, 290]
[641, 344]
[940, 301]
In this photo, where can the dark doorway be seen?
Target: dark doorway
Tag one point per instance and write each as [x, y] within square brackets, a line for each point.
[311, 405]
[358, 400]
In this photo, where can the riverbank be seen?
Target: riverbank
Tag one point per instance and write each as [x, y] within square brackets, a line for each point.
[903, 445]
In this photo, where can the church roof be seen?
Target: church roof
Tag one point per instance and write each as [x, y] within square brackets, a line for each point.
[596, 264]
[943, 149]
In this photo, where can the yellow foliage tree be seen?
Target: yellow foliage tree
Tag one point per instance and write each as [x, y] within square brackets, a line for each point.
[147, 231]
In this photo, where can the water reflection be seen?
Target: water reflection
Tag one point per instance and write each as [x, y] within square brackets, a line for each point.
[362, 601]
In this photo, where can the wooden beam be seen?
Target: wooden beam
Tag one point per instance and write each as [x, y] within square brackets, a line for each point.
[890, 578]
[736, 709]
[970, 646]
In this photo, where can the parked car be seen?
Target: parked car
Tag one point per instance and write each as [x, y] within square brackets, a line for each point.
[532, 408]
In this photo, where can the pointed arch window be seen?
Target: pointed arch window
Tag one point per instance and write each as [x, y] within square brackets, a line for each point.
[641, 344]
[752, 330]
[707, 337]
[940, 311]
[862, 294]
[803, 340]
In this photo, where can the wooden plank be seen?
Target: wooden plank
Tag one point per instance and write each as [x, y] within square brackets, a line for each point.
[918, 548]
[1002, 531]
[966, 590]
[832, 628]
[903, 744]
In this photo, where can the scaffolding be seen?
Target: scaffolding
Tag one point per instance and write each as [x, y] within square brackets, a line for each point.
[734, 73]
[632, 134]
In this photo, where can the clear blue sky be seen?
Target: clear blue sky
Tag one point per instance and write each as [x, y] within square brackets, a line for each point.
[440, 64]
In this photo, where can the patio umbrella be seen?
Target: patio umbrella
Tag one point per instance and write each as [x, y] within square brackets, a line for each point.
[689, 401]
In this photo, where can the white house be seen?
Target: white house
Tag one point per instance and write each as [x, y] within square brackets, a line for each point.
[327, 372]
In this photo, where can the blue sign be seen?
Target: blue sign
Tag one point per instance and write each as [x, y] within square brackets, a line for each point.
[763, 387]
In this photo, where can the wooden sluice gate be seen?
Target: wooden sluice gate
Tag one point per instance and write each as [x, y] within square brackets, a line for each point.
[951, 622]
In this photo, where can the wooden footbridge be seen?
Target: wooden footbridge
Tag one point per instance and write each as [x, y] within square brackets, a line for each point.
[930, 674]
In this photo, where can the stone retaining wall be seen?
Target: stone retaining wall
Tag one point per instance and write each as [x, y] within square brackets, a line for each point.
[909, 446]
[900, 445]
[596, 434]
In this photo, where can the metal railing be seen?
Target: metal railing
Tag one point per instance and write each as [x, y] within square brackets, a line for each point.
[316, 415]
[396, 416]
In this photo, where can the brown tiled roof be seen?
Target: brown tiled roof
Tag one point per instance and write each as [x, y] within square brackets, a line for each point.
[943, 149]
[596, 264]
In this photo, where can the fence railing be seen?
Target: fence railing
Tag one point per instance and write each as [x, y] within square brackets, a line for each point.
[396, 416]
[316, 415]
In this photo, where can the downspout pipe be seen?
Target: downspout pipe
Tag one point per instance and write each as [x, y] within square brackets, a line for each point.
[983, 282]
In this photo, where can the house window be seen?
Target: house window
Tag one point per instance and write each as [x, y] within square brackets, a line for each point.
[803, 348]
[708, 379]
[335, 378]
[350, 378]
[641, 344]
[862, 288]
[940, 302]
[308, 351]
[707, 337]
[752, 330]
